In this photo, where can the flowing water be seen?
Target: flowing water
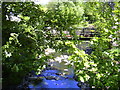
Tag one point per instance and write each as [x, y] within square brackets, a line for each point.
[58, 74]
[53, 79]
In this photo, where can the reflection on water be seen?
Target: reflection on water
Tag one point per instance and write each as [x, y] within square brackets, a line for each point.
[54, 79]
[58, 74]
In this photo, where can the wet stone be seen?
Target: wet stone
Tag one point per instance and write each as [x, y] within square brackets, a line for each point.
[52, 77]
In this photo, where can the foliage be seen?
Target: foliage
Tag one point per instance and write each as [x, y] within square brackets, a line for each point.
[21, 45]
[101, 68]
[25, 40]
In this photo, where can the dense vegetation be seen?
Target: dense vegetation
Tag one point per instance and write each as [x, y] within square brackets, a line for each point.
[24, 41]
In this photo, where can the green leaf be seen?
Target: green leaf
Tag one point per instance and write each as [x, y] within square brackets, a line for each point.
[15, 68]
[81, 78]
